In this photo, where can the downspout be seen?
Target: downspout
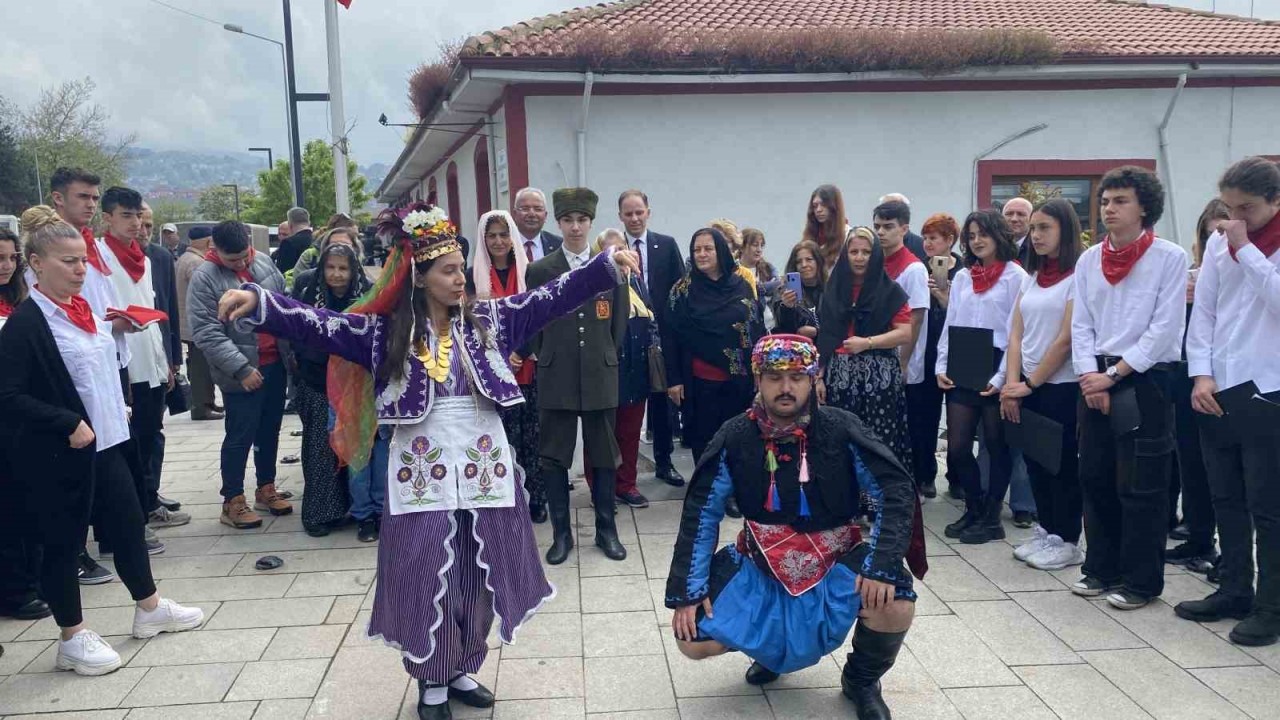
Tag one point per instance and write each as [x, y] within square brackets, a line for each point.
[1165, 162]
[973, 177]
[582, 131]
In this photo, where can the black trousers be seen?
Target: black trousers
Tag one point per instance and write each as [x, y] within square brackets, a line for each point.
[200, 378]
[924, 416]
[660, 426]
[1059, 499]
[558, 438]
[19, 554]
[145, 424]
[117, 512]
[708, 404]
[1244, 478]
[1188, 474]
[1126, 489]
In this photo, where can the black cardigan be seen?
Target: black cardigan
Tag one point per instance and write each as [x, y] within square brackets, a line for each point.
[42, 409]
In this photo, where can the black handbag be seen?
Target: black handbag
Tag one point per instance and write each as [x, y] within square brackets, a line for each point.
[179, 398]
[657, 370]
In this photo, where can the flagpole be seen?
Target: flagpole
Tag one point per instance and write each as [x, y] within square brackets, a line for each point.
[337, 119]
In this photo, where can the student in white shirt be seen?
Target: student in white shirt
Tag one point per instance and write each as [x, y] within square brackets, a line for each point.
[62, 378]
[1126, 331]
[1040, 378]
[1232, 340]
[982, 296]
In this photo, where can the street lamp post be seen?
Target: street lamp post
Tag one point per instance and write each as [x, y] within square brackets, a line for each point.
[270, 162]
[236, 189]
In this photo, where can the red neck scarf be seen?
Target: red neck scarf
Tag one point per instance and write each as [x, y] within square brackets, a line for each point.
[78, 313]
[1267, 239]
[5, 308]
[245, 274]
[1051, 273]
[900, 260]
[91, 249]
[130, 255]
[512, 285]
[985, 276]
[1116, 264]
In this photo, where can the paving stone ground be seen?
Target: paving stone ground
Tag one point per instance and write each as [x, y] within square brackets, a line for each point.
[992, 638]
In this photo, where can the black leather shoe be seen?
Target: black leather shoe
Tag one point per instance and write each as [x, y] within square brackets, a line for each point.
[867, 701]
[33, 609]
[669, 475]
[316, 530]
[758, 674]
[538, 513]
[1213, 608]
[368, 530]
[731, 508]
[432, 712]
[1258, 629]
[929, 490]
[477, 697]
[168, 504]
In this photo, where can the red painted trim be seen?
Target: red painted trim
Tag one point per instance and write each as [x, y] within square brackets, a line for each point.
[517, 138]
[988, 170]
[451, 187]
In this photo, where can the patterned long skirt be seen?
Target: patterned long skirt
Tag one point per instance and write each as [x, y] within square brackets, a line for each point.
[325, 496]
[870, 386]
[521, 424]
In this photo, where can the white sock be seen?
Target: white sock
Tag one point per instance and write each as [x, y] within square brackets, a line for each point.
[437, 695]
[464, 683]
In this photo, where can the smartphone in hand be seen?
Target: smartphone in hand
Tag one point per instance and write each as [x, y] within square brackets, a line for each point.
[794, 284]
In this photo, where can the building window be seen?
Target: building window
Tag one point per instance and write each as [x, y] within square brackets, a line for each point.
[1076, 181]
[484, 199]
[451, 189]
[433, 196]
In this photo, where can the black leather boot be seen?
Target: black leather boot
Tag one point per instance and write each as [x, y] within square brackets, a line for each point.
[603, 485]
[874, 652]
[988, 527]
[561, 517]
[972, 514]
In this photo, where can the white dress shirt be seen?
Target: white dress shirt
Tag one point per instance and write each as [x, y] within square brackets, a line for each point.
[535, 243]
[1042, 313]
[148, 362]
[991, 309]
[98, 291]
[1235, 324]
[643, 249]
[1141, 319]
[914, 279]
[576, 260]
[91, 362]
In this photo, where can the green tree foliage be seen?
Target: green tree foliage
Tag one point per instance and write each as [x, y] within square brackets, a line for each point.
[66, 127]
[276, 196]
[17, 174]
[170, 210]
[218, 203]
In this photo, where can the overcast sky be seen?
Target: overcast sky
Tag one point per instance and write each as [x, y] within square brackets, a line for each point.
[183, 83]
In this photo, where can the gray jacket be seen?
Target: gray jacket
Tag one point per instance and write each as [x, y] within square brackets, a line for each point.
[232, 354]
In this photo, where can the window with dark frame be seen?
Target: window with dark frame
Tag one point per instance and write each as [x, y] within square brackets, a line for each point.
[1081, 192]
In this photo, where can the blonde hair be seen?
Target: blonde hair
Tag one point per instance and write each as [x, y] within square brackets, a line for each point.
[730, 232]
[605, 235]
[42, 225]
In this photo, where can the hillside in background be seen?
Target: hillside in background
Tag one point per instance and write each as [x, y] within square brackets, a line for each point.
[183, 174]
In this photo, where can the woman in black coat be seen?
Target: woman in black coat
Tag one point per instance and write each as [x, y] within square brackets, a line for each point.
[61, 386]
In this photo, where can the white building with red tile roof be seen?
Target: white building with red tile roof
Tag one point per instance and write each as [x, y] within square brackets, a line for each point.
[740, 108]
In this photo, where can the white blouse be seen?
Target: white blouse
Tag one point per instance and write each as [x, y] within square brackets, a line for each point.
[991, 309]
[1141, 319]
[1042, 313]
[91, 362]
[148, 362]
[1235, 324]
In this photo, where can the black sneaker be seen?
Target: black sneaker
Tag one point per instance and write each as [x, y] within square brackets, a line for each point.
[91, 573]
[1187, 552]
[1258, 629]
[633, 499]
[368, 530]
[1124, 599]
[1023, 519]
[1088, 586]
[1213, 608]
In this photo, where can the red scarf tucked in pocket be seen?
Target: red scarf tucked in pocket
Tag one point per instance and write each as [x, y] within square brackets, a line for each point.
[130, 255]
[1117, 264]
[985, 276]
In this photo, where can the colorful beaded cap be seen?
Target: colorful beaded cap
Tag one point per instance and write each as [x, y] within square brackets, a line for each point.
[785, 353]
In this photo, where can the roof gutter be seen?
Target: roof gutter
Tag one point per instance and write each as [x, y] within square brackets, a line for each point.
[1165, 162]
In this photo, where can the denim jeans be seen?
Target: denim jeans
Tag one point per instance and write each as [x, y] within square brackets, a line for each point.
[253, 421]
[368, 487]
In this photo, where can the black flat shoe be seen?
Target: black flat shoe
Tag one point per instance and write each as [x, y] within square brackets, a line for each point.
[477, 697]
[432, 712]
[34, 609]
[368, 531]
[670, 476]
[758, 674]
[316, 530]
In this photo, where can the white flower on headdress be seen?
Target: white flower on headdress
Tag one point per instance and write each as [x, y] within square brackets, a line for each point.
[423, 219]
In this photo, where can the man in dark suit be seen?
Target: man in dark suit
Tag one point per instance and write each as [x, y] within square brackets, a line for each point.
[297, 241]
[661, 265]
[578, 379]
[529, 208]
[1017, 212]
[914, 242]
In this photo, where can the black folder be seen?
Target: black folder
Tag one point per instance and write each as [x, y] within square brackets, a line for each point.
[1126, 417]
[1038, 437]
[1246, 411]
[971, 357]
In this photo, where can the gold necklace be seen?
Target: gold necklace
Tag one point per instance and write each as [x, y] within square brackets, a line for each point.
[437, 365]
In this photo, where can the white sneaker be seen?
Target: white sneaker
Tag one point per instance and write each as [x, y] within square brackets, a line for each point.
[1037, 543]
[1056, 555]
[87, 654]
[168, 616]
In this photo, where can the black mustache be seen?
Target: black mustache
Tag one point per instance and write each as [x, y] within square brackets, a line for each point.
[792, 398]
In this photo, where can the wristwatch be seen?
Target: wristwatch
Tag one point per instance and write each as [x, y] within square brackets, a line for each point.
[1113, 372]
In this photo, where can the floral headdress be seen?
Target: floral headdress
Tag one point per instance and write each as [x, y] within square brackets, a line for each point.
[785, 353]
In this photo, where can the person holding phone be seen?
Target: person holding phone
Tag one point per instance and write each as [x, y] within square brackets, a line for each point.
[982, 296]
[796, 308]
[1039, 378]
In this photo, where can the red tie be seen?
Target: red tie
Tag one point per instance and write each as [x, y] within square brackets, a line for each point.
[528, 249]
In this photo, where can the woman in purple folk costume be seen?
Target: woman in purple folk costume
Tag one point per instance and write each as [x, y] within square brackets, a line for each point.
[457, 549]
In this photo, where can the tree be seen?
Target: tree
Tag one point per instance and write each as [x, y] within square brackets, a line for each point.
[276, 196]
[218, 203]
[171, 210]
[18, 189]
[66, 127]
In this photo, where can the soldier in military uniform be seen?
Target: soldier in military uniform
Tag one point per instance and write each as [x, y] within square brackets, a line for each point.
[578, 379]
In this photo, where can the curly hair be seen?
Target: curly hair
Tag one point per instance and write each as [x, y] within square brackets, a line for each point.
[992, 224]
[1145, 185]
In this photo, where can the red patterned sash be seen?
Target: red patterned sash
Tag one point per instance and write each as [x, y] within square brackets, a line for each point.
[797, 560]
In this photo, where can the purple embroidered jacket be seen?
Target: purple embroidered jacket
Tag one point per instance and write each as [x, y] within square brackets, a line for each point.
[510, 322]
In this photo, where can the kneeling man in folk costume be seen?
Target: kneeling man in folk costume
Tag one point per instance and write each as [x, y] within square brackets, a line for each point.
[799, 575]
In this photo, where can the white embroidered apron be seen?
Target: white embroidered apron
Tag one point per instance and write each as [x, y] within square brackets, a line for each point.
[455, 458]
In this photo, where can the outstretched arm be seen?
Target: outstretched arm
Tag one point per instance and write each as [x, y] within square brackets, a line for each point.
[522, 316]
[347, 335]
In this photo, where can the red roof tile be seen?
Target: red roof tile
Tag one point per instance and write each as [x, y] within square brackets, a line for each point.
[1132, 28]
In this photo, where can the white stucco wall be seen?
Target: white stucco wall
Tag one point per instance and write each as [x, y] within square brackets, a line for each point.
[756, 158]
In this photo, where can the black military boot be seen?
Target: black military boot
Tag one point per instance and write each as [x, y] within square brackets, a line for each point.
[874, 652]
[972, 514]
[603, 485]
[988, 527]
[561, 517]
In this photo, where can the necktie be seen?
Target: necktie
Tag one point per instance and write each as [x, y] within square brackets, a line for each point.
[640, 255]
[528, 249]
